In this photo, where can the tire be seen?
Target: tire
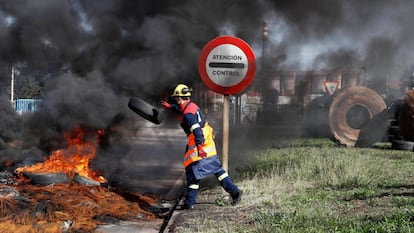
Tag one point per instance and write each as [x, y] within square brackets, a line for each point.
[85, 181]
[356, 117]
[145, 110]
[376, 130]
[406, 117]
[402, 145]
[315, 122]
[44, 179]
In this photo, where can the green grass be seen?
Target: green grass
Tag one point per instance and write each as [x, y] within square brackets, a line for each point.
[336, 168]
[312, 185]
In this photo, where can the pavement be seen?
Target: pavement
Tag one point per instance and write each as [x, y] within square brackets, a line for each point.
[150, 226]
[154, 165]
[151, 168]
[130, 227]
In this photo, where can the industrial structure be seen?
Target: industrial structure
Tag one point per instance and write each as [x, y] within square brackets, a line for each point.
[325, 103]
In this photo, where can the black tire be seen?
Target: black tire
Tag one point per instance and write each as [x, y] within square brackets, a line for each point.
[402, 145]
[315, 120]
[85, 181]
[145, 110]
[44, 179]
[406, 117]
[374, 131]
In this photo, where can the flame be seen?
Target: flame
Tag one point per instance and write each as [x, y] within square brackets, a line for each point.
[73, 159]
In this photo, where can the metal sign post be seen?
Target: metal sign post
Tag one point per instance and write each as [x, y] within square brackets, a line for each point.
[227, 66]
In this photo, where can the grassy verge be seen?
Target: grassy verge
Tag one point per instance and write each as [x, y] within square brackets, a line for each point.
[312, 185]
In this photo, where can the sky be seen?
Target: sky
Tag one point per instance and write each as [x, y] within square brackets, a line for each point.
[110, 50]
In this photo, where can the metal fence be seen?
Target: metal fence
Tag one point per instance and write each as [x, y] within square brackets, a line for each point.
[27, 105]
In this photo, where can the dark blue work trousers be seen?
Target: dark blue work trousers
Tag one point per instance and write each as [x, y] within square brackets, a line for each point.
[193, 185]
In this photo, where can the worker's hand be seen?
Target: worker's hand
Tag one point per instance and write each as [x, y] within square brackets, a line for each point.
[165, 104]
[201, 152]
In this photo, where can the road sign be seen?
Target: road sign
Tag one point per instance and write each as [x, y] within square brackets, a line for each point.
[331, 86]
[227, 65]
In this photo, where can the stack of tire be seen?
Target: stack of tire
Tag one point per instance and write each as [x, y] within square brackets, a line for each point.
[406, 123]
[359, 117]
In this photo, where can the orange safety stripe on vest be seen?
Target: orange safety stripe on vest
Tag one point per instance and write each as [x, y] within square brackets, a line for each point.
[191, 155]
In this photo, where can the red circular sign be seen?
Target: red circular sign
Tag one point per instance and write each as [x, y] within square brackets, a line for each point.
[227, 65]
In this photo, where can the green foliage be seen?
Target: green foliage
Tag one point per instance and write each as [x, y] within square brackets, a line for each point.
[27, 88]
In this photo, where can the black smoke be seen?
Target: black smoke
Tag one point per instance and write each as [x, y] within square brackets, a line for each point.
[92, 56]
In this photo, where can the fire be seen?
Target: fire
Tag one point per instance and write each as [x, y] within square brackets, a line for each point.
[74, 158]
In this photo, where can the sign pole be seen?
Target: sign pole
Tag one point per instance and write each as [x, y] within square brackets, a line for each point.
[227, 66]
[225, 157]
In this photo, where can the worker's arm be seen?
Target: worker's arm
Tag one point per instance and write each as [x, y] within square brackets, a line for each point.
[192, 120]
[168, 105]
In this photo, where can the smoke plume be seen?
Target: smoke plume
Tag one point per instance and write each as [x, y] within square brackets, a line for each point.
[92, 56]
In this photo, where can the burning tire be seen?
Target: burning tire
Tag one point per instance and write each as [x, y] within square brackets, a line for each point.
[356, 117]
[406, 117]
[44, 179]
[146, 110]
[85, 181]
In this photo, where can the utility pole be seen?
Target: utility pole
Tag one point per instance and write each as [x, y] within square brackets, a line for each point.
[12, 87]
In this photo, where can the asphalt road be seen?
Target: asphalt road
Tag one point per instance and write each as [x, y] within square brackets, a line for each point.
[151, 164]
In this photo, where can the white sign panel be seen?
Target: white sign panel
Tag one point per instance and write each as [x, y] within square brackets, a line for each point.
[226, 65]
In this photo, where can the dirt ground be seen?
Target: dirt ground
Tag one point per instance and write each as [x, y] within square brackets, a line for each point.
[213, 204]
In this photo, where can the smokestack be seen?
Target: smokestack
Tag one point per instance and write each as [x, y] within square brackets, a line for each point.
[264, 42]
[263, 71]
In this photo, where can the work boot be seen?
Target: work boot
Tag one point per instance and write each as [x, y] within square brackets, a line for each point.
[187, 207]
[236, 198]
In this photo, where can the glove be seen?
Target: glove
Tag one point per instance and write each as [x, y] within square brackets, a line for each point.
[201, 152]
[165, 104]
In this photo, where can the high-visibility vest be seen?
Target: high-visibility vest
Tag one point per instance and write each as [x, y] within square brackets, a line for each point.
[191, 155]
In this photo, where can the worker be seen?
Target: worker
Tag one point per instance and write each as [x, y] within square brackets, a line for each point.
[200, 158]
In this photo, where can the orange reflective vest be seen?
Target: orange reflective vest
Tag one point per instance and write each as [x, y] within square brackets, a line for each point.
[191, 155]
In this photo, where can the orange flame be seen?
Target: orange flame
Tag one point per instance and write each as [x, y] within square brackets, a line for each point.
[73, 159]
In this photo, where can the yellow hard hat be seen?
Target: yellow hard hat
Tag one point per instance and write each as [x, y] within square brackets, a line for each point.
[182, 90]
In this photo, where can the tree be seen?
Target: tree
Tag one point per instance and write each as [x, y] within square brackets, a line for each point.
[26, 87]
